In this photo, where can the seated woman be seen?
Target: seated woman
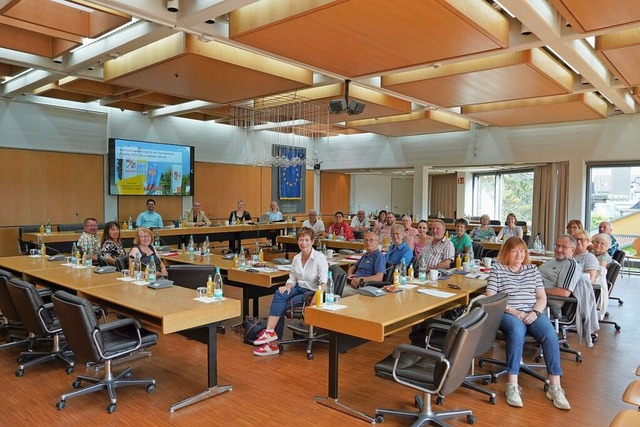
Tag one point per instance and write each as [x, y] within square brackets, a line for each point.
[484, 231]
[239, 215]
[399, 250]
[382, 220]
[422, 238]
[274, 212]
[111, 243]
[461, 240]
[511, 229]
[573, 226]
[514, 275]
[142, 246]
[585, 259]
[341, 227]
[601, 243]
[308, 271]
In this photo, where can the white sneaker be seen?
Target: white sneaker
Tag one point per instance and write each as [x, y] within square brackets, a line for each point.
[556, 394]
[267, 350]
[513, 395]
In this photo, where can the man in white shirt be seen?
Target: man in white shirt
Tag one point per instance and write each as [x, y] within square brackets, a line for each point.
[314, 223]
[360, 222]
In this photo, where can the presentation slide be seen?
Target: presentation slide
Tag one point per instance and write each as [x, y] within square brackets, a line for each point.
[146, 168]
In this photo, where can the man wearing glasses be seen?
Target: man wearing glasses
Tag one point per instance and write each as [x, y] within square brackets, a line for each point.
[561, 274]
[89, 242]
[371, 266]
[149, 218]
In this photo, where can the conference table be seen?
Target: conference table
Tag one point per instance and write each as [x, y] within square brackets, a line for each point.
[172, 309]
[291, 242]
[374, 318]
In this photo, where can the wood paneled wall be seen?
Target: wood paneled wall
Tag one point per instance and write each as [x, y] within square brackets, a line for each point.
[41, 185]
[335, 189]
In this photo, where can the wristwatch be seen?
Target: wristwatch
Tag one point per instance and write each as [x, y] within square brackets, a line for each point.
[536, 312]
[361, 282]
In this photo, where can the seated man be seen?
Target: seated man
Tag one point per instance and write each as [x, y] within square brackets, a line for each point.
[360, 222]
[341, 228]
[371, 266]
[607, 228]
[196, 217]
[439, 252]
[89, 242]
[560, 275]
[149, 218]
[385, 230]
[409, 232]
[314, 223]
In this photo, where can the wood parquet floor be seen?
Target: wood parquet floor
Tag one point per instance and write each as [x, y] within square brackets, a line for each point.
[279, 390]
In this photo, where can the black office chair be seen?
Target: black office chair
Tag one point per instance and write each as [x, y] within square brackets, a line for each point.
[437, 328]
[435, 373]
[613, 272]
[387, 278]
[40, 320]
[101, 343]
[12, 321]
[122, 263]
[192, 277]
[494, 222]
[308, 334]
[71, 227]
[566, 322]
[478, 251]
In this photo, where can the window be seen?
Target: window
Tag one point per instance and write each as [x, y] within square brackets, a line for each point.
[498, 194]
[613, 195]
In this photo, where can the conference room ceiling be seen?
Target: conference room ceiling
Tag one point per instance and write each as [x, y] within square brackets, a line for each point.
[419, 66]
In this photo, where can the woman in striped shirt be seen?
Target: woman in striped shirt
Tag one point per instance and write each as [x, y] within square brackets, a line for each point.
[514, 275]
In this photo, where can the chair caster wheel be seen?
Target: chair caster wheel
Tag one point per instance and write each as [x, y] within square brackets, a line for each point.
[546, 387]
[222, 331]
[69, 370]
[280, 348]
[309, 356]
[492, 400]
[112, 408]
[20, 373]
[379, 419]
[440, 400]
[494, 378]
[618, 327]
[471, 419]
[485, 382]
[578, 358]
[76, 384]
[151, 388]
[60, 405]
[537, 359]
[21, 359]
[128, 375]
[481, 363]
[565, 344]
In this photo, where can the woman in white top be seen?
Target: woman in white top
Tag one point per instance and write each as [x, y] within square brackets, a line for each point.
[511, 229]
[308, 271]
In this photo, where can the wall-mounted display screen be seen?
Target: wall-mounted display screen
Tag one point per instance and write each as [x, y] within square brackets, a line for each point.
[150, 168]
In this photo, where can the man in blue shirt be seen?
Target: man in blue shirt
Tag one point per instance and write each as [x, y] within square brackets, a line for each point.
[371, 266]
[149, 218]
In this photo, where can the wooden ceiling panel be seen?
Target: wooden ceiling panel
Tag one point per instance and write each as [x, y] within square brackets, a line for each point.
[53, 91]
[362, 37]
[416, 123]
[525, 74]
[621, 50]
[31, 42]
[591, 15]
[554, 109]
[181, 66]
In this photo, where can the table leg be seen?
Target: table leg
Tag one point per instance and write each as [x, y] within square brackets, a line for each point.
[213, 388]
[332, 400]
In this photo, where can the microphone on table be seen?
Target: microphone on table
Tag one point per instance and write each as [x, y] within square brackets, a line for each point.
[32, 243]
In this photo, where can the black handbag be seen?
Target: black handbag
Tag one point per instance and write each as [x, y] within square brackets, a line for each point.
[252, 328]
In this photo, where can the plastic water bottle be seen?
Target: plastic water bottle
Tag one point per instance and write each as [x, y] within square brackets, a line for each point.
[293, 231]
[87, 259]
[403, 273]
[47, 228]
[156, 239]
[74, 254]
[152, 270]
[129, 224]
[191, 246]
[217, 285]
[206, 246]
[422, 269]
[137, 267]
[330, 296]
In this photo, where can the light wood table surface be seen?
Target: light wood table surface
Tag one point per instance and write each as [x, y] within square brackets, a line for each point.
[20, 263]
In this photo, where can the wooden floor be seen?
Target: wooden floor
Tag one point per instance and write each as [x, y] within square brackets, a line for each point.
[279, 390]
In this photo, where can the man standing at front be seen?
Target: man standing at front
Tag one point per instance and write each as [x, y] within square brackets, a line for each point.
[371, 266]
[89, 242]
[149, 218]
[196, 217]
[439, 252]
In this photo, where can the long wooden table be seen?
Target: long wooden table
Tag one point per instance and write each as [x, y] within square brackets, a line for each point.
[172, 309]
[354, 245]
[373, 319]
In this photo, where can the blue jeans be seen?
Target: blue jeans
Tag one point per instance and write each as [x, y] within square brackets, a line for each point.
[542, 330]
[281, 301]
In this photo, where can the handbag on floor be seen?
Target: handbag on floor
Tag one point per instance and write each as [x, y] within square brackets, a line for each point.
[252, 328]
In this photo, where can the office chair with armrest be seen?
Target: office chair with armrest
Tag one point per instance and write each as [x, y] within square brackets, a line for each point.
[435, 373]
[613, 272]
[387, 279]
[122, 263]
[308, 334]
[100, 343]
[12, 321]
[611, 279]
[478, 251]
[437, 329]
[192, 277]
[40, 320]
[566, 322]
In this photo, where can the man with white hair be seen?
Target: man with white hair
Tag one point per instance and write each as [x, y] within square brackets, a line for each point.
[607, 228]
[314, 223]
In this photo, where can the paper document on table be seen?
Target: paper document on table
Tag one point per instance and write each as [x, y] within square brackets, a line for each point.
[434, 293]
[80, 266]
[479, 276]
[407, 286]
[140, 283]
[333, 307]
[126, 279]
[208, 300]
